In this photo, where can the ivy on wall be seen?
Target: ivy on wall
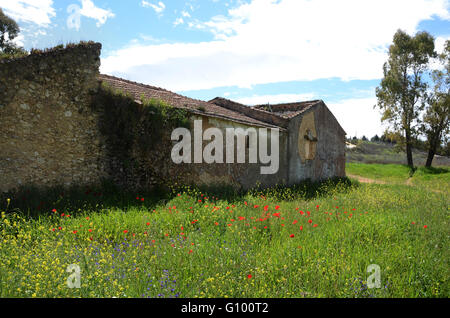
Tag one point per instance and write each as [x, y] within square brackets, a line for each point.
[125, 121]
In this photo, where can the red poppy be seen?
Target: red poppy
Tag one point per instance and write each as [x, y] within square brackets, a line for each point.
[74, 232]
[292, 235]
[309, 221]
[425, 226]
[315, 225]
[53, 230]
[216, 223]
[413, 222]
[142, 199]
[148, 223]
[90, 230]
[249, 276]
[266, 207]
[295, 222]
[125, 231]
[137, 198]
[255, 206]
[301, 227]
[54, 210]
[277, 207]
[190, 251]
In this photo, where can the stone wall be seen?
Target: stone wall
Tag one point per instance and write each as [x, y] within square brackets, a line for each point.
[48, 130]
[60, 126]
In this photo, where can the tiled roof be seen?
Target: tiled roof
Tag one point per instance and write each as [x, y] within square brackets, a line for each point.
[288, 110]
[193, 105]
[256, 113]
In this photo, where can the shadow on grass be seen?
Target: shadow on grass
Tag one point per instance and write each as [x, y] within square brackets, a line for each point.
[432, 170]
[35, 202]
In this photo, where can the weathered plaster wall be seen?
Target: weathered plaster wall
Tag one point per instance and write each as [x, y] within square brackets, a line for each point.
[244, 174]
[326, 157]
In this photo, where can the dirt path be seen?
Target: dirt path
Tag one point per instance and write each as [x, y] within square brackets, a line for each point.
[365, 180]
[408, 182]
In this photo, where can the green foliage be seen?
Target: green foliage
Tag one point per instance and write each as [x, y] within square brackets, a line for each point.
[127, 122]
[401, 94]
[436, 121]
[9, 30]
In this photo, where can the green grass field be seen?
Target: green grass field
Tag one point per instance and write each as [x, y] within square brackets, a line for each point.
[313, 240]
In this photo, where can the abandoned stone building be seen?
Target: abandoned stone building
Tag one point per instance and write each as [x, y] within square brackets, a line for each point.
[54, 130]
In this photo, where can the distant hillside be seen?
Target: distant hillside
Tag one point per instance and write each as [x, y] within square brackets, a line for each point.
[380, 152]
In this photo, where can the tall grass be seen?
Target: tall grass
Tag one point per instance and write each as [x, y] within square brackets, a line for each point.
[283, 242]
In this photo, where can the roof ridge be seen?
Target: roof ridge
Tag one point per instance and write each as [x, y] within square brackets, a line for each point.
[289, 105]
[259, 114]
[133, 82]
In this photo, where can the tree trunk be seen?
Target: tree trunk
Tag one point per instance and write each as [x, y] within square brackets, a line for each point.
[409, 156]
[430, 157]
[432, 150]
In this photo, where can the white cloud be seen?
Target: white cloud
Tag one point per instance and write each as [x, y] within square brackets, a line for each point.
[185, 14]
[88, 10]
[268, 41]
[178, 21]
[274, 99]
[159, 8]
[30, 11]
[353, 115]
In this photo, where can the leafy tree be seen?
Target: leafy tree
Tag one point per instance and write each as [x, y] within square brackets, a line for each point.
[401, 93]
[9, 30]
[364, 138]
[375, 138]
[436, 121]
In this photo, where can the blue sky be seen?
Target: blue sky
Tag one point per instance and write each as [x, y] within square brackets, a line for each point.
[253, 51]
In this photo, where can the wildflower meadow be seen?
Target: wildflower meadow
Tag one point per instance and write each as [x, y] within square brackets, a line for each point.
[312, 240]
